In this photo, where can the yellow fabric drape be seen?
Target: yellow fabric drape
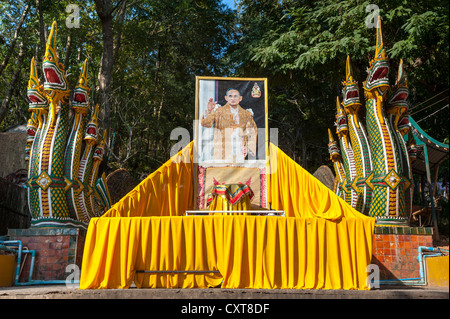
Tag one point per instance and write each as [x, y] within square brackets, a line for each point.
[249, 252]
[323, 242]
[293, 189]
[221, 203]
[166, 192]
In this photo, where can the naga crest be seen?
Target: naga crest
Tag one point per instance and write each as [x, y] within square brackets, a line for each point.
[333, 148]
[341, 119]
[91, 134]
[378, 71]
[397, 103]
[350, 91]
[32, 127]
[54, 73]
[403, 124]
[100, 149]
[35, 90]
[81, 91]
[412, 147]
[400, 91]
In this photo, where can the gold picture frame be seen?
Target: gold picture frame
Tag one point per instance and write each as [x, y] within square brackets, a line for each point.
[254, 93]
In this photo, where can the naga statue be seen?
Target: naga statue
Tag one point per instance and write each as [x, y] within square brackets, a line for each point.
[359, 141]
[336, 158]
[380, 185]
[63, 189]
[348, 157]
[388, 202]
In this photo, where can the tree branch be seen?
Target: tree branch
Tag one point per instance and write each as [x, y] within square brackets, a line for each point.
[12, 86]
[13, 42]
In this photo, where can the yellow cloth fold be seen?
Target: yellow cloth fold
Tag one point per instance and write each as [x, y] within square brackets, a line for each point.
[224, 195]
[166, 192]
[248, 251]
[293, 189]
[220, 203]
[323, 243]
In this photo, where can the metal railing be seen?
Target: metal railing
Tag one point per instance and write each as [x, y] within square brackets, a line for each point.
[248, 212]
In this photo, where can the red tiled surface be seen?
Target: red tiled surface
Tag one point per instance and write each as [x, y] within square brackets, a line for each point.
[396, 255]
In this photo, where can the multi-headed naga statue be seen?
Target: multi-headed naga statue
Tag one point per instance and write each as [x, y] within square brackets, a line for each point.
[63, 189]
[381, 157]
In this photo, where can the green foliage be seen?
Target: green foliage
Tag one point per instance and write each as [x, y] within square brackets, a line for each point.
[302, 46]
[160, 47]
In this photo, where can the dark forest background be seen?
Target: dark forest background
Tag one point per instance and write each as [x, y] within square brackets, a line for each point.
[144, 55]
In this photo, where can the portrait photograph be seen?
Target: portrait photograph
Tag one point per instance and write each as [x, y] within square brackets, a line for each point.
[231, 135]
[231, 116]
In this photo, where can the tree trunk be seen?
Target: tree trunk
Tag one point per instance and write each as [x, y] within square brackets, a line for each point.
[12, 86]
[105, 12]
[68, 49]
[14, 40]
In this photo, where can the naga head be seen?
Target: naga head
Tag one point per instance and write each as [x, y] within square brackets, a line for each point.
[81, 91]
[378, 71]
[333, 149]
[32, 126]
[350, 91]
[91, 134]
[397, 103]
[27, 152]
[35, 90]
[412, 147]
[400, 91]
[403, 124]
[341, 119]
[55, 76]
[100, 149]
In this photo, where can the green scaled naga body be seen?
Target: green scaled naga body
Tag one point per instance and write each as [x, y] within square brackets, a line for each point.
[388, 202]
[54, 145]
[398, 118]
[85, 172]
[80, 107]
[38, 107]
[359, 140]
[336, 158]
[48, 202]
[348, 158]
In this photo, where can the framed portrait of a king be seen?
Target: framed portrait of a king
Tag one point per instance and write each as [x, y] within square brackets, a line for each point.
[231, 134]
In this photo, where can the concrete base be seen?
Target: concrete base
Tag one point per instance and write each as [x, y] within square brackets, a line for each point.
[62, 292]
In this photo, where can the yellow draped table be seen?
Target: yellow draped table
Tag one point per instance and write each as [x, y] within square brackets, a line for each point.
[227, 250]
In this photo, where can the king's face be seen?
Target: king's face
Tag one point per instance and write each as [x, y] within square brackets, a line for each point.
[233, 98]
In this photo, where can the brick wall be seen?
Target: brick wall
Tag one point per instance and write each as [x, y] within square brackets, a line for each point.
[55, 249]
[395, 250]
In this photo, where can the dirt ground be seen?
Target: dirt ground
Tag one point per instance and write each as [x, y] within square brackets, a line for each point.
[442, 243]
